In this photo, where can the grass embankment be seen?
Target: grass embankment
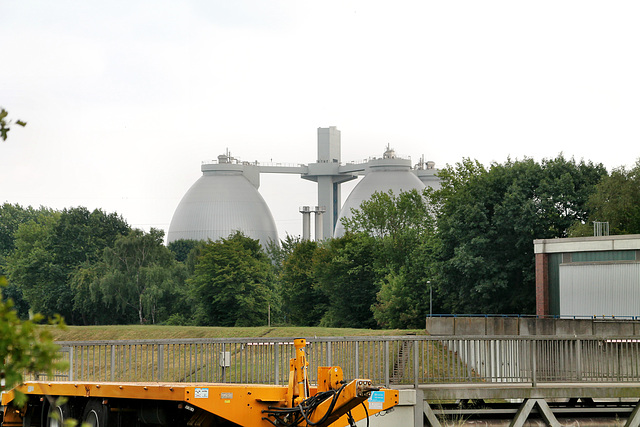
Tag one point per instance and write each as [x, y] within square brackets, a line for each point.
[138, 332]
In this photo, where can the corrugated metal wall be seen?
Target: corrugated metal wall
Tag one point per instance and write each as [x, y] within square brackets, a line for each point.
[600, 289]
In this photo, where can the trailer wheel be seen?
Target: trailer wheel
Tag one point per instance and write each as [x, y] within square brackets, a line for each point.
[57, 415]
[95, 414]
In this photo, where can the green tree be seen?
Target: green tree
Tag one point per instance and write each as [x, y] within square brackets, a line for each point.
[24, 347]
[405, 295]
[181, 248]
[233, 282]
[345, 273]
[50, 248]
[31, 265]
[616, 200]
[487, 221]
[136, 273]
[278, 252]
[11, 216]
[183, 299]
[302, 300]
[401, 228]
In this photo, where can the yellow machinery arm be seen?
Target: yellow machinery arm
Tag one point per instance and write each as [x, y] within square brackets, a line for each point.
[201, 404]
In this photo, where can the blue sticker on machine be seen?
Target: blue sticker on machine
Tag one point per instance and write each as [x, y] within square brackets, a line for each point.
[376, 396]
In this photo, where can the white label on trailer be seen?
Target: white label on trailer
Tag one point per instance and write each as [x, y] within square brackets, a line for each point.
[201, 393]
[376, 400]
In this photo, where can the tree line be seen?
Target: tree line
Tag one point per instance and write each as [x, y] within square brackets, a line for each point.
[464, 248]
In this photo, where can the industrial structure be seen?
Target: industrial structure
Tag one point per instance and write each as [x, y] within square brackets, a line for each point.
[588, 276]
[226, 197]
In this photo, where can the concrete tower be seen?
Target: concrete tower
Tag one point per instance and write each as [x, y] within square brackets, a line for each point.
[326, 172]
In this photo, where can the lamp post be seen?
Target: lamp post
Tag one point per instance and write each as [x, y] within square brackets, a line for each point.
[430, 298]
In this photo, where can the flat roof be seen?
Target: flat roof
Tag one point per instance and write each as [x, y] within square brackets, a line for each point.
[587, 244]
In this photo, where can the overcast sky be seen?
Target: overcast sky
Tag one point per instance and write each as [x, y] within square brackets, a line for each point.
[125, 99]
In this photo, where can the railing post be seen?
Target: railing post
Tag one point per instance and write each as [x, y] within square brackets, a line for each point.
[579, 360]
[357, 375]
[113, 362]
[386, 364]
[534, 381]
[160, 362]
[277, 362]
[70, 363]
[416, 360]
[618, 358]
[223, 363]
[329, 358]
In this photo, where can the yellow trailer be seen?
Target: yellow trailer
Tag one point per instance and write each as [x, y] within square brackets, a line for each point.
[332, 401]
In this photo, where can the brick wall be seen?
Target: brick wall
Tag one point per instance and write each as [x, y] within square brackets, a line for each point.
[542, 284]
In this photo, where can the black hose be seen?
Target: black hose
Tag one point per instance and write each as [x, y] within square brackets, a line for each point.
[304, 410]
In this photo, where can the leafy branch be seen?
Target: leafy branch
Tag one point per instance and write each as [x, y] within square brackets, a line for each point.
[5, 124]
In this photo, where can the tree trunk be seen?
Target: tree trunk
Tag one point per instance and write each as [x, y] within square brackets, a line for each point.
[140, 309]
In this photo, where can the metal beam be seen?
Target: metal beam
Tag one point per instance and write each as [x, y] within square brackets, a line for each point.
[431, 416]
[634, 418]
[525, 410]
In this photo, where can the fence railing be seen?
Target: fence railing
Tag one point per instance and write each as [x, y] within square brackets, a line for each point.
[406, 360]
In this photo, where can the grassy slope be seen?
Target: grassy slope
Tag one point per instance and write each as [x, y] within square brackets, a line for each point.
[135, 332]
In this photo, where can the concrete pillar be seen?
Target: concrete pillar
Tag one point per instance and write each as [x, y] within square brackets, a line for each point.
[319, 210]
[306, 222]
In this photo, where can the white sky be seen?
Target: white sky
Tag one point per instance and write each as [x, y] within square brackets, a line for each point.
[124, 99]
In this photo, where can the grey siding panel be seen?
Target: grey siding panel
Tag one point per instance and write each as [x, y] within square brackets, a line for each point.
[600, 289]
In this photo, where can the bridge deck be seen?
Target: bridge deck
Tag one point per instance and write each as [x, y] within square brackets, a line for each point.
[528, 391]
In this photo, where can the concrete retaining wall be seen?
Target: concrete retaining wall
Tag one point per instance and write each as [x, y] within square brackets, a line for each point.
[462, 326]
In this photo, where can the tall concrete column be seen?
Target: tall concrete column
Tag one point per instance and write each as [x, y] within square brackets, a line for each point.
[326, 172]
[306, 222]
[319, 210]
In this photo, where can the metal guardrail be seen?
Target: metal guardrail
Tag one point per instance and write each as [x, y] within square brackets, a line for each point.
[389, 361]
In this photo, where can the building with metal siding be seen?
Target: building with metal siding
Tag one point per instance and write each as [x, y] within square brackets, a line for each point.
[588, 276]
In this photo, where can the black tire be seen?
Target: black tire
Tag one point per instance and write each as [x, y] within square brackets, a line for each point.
[95, 414]
[57, 414]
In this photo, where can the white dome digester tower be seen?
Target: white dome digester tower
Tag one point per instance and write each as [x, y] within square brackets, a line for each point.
[223, 200]
[380, 175]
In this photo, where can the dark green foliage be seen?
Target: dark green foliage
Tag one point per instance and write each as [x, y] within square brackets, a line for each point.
[400, 230]
[31, 265]
[488, 219]
[233, 282]
[345, 273]
[616, 200]
[277, 253]
[11, 216]
[181, 248]
[137, 274]
[303, 303]
[50, 247]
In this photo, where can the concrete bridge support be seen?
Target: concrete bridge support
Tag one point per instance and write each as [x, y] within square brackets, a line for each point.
[545, 405]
